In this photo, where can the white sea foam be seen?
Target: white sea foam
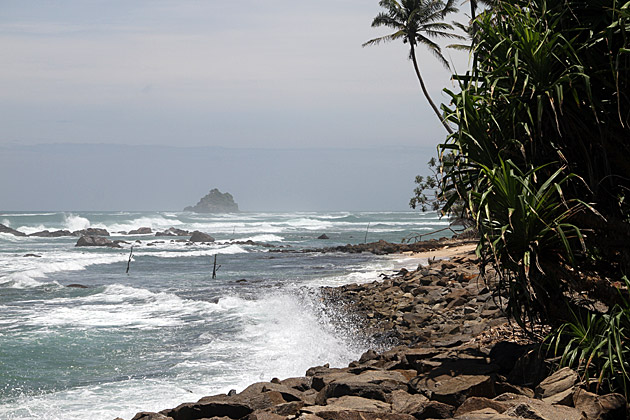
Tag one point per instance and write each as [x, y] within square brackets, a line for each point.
[262, 238]
[198, 252]
[26, 270]
[156, 223]
[73, 222]
[119, 306]
[32, 229]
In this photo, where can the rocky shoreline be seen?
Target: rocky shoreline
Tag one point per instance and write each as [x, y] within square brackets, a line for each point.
[453, 356]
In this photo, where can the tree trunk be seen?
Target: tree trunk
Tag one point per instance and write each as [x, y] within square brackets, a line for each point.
[426, 93]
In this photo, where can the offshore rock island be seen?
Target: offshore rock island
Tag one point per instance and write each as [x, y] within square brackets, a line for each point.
[215, 202]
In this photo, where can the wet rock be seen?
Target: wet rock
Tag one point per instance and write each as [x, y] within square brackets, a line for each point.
[201, 237]
[77, 285]
[53, 234]
[140, 231]
[91, 232]
[6, 229]
[173, 232]
[32, 255]
[96, 241]
[323, 236]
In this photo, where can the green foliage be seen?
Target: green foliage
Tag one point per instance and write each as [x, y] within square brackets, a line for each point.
[543, 127]
[598, 346]
[524, 227]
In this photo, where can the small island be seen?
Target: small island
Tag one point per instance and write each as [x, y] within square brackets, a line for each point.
[215, 202]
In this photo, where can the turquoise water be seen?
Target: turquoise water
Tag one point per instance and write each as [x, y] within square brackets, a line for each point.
[167, 332]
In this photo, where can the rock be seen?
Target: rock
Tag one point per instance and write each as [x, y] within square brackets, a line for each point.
[77, 285]
[529, 370]
[140, 231]
[601, 407]
[6, 229]
[483, 414]
[535, 409]
[559, 381]
[505, 354]
[32, 255]
[150, 416]
[436, 410]
[360, 415]
[53, 234]
[173, 232]
[201, 237]
[323, 236]
[91, 232]
[235, 407]
[350, 403]
[96, 241]
[215, 202]
[403, 402]
[479, 403]
[453, 390]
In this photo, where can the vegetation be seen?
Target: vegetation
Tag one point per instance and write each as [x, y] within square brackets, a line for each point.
[540, 162]
[417, 22]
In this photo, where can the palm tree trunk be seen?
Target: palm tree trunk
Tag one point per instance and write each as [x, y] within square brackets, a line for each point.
[426, 93]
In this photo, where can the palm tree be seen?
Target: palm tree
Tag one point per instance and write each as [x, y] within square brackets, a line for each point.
[416, 22]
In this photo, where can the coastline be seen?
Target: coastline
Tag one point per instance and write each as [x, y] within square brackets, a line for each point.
[448, 352]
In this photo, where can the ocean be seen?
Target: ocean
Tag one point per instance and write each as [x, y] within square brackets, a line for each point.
[166, 332]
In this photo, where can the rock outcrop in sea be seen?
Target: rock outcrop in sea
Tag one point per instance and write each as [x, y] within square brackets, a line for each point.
[215, 202]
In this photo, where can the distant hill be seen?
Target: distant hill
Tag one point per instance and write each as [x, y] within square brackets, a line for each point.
[215, 202]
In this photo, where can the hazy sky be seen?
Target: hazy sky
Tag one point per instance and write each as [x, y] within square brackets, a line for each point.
[277, 75]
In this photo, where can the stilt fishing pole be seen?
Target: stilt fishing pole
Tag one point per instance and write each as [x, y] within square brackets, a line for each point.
[129, 260]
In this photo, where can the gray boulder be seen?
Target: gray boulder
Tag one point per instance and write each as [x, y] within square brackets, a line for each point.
[91, 232]
[201, 237]
[53, 234]
[96, 241]
[6, 229]
[173, 232]
[140, 231]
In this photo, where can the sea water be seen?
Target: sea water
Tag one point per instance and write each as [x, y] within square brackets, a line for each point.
[166, 332]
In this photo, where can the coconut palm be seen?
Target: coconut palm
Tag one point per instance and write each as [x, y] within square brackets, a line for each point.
[415, 22]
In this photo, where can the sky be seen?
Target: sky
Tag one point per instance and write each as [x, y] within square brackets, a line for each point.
[278, 79]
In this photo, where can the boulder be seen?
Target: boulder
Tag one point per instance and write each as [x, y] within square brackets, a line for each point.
[77, 286]
[140, 231]
[323, 236]
[173, 232]
[601, 407]
[53, 234]
[96, 241]
[349, 403]
[403, 402]
[558, 382]
[453, 390]
[91, 232]
[144, 415]
[530, 408]
[201, 237]
[6, 229]
[480, 403]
